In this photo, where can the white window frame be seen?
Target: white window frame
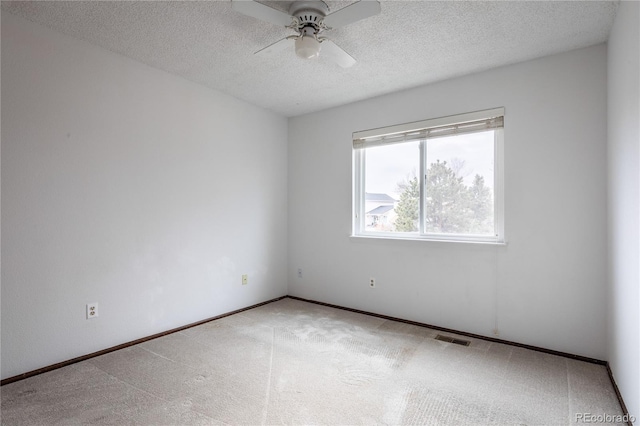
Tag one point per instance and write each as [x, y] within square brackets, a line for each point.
[420, 131]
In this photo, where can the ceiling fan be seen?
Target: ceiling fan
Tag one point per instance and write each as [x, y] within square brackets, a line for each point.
[309, 19]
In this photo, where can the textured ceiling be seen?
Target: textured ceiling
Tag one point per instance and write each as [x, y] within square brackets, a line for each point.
[410, 43]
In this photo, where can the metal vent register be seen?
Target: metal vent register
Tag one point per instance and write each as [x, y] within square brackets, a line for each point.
[452, 340]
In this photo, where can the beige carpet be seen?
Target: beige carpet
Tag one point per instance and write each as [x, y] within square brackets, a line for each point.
[292, 362]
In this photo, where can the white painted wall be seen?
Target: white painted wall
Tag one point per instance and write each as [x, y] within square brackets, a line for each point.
[547, 287]
[624, 202]
[129, 187]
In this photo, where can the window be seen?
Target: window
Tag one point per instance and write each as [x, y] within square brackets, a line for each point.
[438, 179]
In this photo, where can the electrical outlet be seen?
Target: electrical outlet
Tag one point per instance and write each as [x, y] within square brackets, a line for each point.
[299, 272]
[92, 310]
[372, 282]
[245, 279]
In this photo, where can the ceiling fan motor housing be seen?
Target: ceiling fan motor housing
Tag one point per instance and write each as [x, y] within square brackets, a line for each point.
[309, 14]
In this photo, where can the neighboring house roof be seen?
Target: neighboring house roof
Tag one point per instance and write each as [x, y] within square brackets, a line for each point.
[372, 196]
[380, 210]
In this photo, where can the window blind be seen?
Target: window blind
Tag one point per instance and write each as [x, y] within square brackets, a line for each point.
[428, 129]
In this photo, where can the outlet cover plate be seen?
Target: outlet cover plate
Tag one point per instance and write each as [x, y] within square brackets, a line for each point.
[92, 310]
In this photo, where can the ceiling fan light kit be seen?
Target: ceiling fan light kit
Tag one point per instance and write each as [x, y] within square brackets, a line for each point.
[309, 19]
[307, 47]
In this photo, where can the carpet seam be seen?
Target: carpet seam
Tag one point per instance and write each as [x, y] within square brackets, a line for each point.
[267, 396]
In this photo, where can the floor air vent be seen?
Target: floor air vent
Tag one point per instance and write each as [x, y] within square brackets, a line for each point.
[452, 340]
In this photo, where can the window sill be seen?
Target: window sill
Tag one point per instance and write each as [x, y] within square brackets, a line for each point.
[424, 240]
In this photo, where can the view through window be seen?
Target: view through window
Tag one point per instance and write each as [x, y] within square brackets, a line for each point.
[430, 186]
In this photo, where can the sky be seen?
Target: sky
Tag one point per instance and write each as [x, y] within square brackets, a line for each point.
[388, 165]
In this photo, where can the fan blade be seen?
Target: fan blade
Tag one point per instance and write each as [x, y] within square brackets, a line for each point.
[333, 52]
[276, 47]
[352, 13]
[262, 12]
